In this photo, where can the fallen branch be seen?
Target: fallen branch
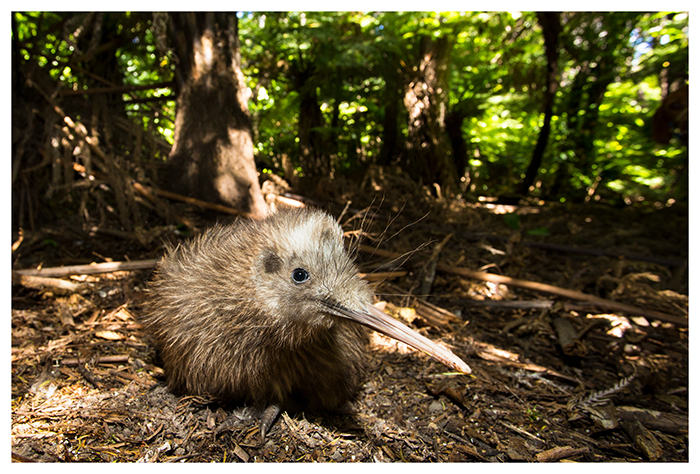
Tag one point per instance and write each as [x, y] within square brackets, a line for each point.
[382, 276]
[288, 201]
[39, 282]
[566, 293]
[427, 273]
[214, 207]
[544, 288]
[669, 422]
[644, 440]
[432, 314]
[560, 452]
[91, 269]
[160, 207]
[107, 267]
[110, 359]
[492, 353]
[198, 202]
[581, 250]
[500, 279]
[505, 304]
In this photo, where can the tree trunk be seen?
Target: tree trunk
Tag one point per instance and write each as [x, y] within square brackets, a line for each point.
[596, 70]
[212, 156]
[390, 122]
[429, 155]
[587, 93]
[468, 107]
[314, 159]
[551, 28]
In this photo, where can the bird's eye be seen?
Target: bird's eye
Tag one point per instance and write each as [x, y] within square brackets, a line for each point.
[299, 275]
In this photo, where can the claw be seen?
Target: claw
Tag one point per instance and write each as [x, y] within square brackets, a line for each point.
[267, 419]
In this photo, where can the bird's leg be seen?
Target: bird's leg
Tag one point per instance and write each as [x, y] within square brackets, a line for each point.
[267, 419]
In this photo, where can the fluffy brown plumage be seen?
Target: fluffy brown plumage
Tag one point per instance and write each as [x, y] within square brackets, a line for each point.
[243, 312]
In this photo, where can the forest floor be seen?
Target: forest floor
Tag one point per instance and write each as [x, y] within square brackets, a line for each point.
[554, 379]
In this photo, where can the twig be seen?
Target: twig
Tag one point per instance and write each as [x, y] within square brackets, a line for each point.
[89, 376]
[568, 337]
[19, 458]
[504, 304]
[382, 276]
[520, 431]
[427, 273]
[91, 269]
[20, 239]
[287, 201]
[544, 288]
[581, 250]
[501, 356]
[655, 420]
[432, 314]
[218, 207]
[571, 294]
[38, 282]
[128, 376]
[560, 452]
[110, 359]
[644, 440]
[117, 89]
[200, 203]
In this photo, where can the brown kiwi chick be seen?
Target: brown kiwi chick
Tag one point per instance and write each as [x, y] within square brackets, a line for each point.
[265, 313]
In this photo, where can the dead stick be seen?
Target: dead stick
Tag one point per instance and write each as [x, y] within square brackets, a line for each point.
[111, 359]
[197, 202]
[160, 207]
[382, 276]
[430, 267]
[148, 192]
[433, 314]
[113, 89]
[287, 201]
[107, 267]
[581, 250]
[145, 192]
[655, 420]
[37, 282]
[571, 294]
[77, 127]
[560, 452]
[544, 288]
[90, 269]
[493, 354]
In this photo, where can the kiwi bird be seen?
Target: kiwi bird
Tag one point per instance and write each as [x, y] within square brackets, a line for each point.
[270, 313]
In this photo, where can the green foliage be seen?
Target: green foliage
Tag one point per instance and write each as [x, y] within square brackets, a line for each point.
[600, 148]
[600, 134]
[66, 45]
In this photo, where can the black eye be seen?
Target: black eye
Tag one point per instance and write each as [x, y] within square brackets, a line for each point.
[299, 275]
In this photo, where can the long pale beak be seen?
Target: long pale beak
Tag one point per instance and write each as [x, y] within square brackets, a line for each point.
[385, 324]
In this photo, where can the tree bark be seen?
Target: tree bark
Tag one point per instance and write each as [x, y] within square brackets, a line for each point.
[468, 107]
[587, 93]
[212, 154]
[314, 159]
[392, 102]
[428, 151]
[551, 28]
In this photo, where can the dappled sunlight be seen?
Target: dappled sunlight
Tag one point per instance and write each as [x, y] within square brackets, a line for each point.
[619, 325]
[380, 342]
[497, 208]
[514, 186]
